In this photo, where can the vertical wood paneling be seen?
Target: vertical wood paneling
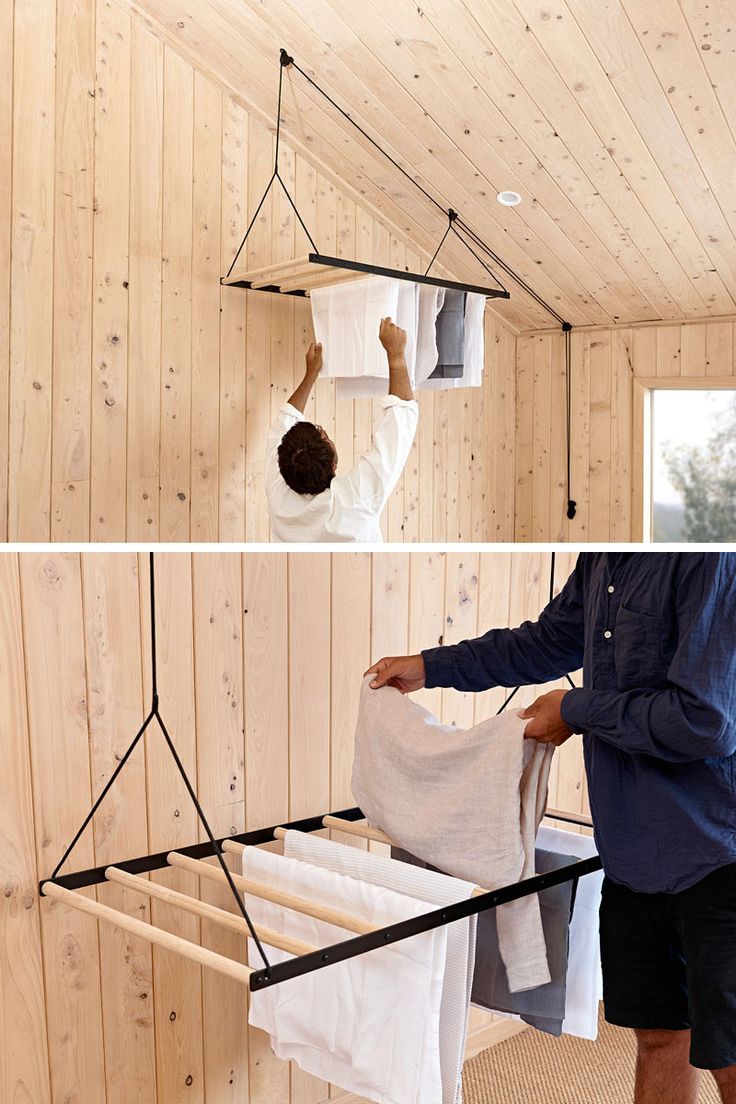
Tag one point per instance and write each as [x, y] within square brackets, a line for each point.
[294, 634]
[309, 589]
[176, 299]
[144, 320]
[461, 623]
[116, 710]
[6, 190]
[32, 267]
[74, 201]
[172, 821]
[206, 201]
[231, 482]
[24, 1050]
[110, 277]
[218, 688]
[265, 667]
[259, 252]
[55, 676]
[621, 434]
[599, 513]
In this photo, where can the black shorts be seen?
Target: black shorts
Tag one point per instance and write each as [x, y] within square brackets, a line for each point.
[669, 961]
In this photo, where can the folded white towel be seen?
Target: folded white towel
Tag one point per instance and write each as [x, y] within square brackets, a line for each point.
[425, 885]
[369, 1024]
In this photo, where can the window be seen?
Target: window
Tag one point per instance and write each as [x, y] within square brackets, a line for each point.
[693, 465]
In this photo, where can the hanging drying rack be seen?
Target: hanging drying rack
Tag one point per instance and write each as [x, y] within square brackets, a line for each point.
[302, 275]
[130, 873]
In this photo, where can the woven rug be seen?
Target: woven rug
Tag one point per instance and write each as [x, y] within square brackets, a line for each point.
[533, 1068]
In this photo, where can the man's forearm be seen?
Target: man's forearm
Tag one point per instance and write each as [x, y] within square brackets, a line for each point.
[300, 397]
[399, 383]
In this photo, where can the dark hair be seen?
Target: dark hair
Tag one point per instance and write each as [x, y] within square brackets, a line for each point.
[307, 459]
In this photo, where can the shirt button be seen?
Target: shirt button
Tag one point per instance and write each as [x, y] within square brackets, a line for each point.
[611, 589]
[607, 634]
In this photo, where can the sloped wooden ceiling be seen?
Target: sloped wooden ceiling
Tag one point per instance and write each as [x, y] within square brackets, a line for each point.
[614, 119]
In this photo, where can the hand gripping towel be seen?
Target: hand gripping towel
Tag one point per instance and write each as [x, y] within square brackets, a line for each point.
[369, 1024]
[466, 801]
[425, 885]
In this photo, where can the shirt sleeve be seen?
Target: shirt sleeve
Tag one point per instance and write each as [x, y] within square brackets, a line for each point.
[537, 651]
[377, 472]
[287, 417]
[694, 716]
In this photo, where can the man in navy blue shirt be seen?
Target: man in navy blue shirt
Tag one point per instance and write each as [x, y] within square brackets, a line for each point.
[655, 634]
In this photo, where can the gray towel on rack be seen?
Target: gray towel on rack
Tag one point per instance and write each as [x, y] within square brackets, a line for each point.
[450, 336]
[544, 1006]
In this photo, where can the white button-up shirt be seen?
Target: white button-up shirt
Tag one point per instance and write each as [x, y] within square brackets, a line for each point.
[350, 508]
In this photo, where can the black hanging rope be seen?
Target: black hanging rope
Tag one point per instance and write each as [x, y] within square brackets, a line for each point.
[551, 596]
[154, 712]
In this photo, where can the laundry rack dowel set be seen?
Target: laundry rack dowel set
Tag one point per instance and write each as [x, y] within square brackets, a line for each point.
[365, 937]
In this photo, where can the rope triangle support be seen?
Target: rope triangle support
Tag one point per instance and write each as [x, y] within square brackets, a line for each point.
[154, 714]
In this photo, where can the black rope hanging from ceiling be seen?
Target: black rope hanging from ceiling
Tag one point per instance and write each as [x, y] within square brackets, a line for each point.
[457, 227]
[516, 689]
[154, 713]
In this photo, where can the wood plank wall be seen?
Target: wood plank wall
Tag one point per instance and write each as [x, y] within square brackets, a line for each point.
[260, 663]
[607, 450]
[135, 393]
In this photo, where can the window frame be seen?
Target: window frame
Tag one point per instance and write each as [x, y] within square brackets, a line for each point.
[642, 443]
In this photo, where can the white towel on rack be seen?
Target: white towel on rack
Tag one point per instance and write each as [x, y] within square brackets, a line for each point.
[584, 984]
[365, 384]
[346, 320]
[370, 1024]
[466, 801]
[425, 885]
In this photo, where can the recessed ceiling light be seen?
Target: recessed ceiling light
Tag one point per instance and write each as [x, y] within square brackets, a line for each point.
[509, 199]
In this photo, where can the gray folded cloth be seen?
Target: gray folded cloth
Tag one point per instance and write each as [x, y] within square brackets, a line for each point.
[450, 337]
[544, 1006]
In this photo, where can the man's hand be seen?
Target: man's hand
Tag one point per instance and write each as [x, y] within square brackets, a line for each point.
[546, 724]
[314, 360]
[406, 673]
[392, 337]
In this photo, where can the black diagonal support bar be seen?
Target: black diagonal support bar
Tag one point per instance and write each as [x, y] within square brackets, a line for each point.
[405, 929]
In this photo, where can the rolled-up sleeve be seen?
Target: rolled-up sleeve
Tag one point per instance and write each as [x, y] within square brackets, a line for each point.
[377, 472]
[694, 716]
[538, 651]
[287, 417]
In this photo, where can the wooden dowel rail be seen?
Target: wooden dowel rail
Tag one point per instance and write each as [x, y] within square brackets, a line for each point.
[206, 911]
[279, 897]
[319, 276]
[270, 269]
[160, 938]
[355, 829]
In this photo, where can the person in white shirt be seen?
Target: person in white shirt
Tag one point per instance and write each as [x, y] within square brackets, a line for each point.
[307, 500]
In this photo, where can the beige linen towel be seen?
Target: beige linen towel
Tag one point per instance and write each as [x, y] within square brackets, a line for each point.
[466, 801]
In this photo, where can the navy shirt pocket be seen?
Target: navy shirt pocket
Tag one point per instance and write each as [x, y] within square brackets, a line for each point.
[637, 641]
